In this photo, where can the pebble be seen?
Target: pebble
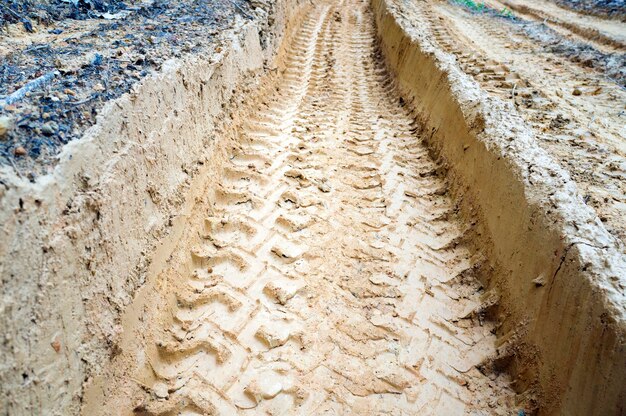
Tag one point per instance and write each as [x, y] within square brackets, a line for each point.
[323, 186]
[20, 151]
[576, 92]
[539, 281]
[6, 124]
[49, 128]
[160, 390]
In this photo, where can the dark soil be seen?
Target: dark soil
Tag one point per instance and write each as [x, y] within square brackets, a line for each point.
[615, 9]
[612, 65]
[30, 12]
[92, 53]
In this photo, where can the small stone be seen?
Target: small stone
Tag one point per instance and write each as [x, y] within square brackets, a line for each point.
[98, 87]
[20, 151]
[6, 124]
[577, 92]
[49, 128]
[323, 187]
[279, 294]
[274, 338]
[56, 345]
[539, 281]
[160, 390]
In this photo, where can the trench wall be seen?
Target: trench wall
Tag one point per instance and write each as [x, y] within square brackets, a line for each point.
[559, 274]
[76, 245]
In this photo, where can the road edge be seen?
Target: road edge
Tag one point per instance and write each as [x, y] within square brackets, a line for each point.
[559, 273]
[88, 232]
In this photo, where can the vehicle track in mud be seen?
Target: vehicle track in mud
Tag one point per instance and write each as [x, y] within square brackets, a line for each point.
[576, 112]
[602, 34]
[332, 275]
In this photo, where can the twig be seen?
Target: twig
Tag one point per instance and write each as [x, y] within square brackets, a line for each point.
[36, 48]
[13, 12]
[36, 83]
[86, 100]
[241, 10]
[15, 168]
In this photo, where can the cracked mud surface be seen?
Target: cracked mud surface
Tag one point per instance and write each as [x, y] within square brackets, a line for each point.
[331, 275]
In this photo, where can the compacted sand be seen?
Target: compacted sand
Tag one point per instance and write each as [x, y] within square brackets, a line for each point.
[331, 275]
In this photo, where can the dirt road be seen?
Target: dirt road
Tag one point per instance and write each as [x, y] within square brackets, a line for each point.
[332, 276]
[314, 207]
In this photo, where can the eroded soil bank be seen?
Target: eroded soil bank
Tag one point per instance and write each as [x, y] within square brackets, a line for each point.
[555, 258]
[565, 83]
[332, 218]
[77, 243]
[61, 62]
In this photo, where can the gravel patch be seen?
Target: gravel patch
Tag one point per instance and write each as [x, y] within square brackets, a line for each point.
[59, 69]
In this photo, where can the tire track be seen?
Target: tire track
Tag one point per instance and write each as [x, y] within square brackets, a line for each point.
[583, 130]
[330, 276]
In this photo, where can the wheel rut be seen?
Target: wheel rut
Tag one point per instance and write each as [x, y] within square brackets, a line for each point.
[331, 275]
[583, 133]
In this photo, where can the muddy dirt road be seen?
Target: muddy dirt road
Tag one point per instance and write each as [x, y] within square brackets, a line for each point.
[563, 71]
[331, 275]
[343, 207]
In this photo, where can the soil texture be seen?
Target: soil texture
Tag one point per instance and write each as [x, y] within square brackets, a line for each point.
[552, 66]
[56, 76]
[332, 275]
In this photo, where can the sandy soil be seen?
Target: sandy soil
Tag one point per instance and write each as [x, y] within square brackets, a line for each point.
[331, 275]
[346, 224]
[577, 112]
